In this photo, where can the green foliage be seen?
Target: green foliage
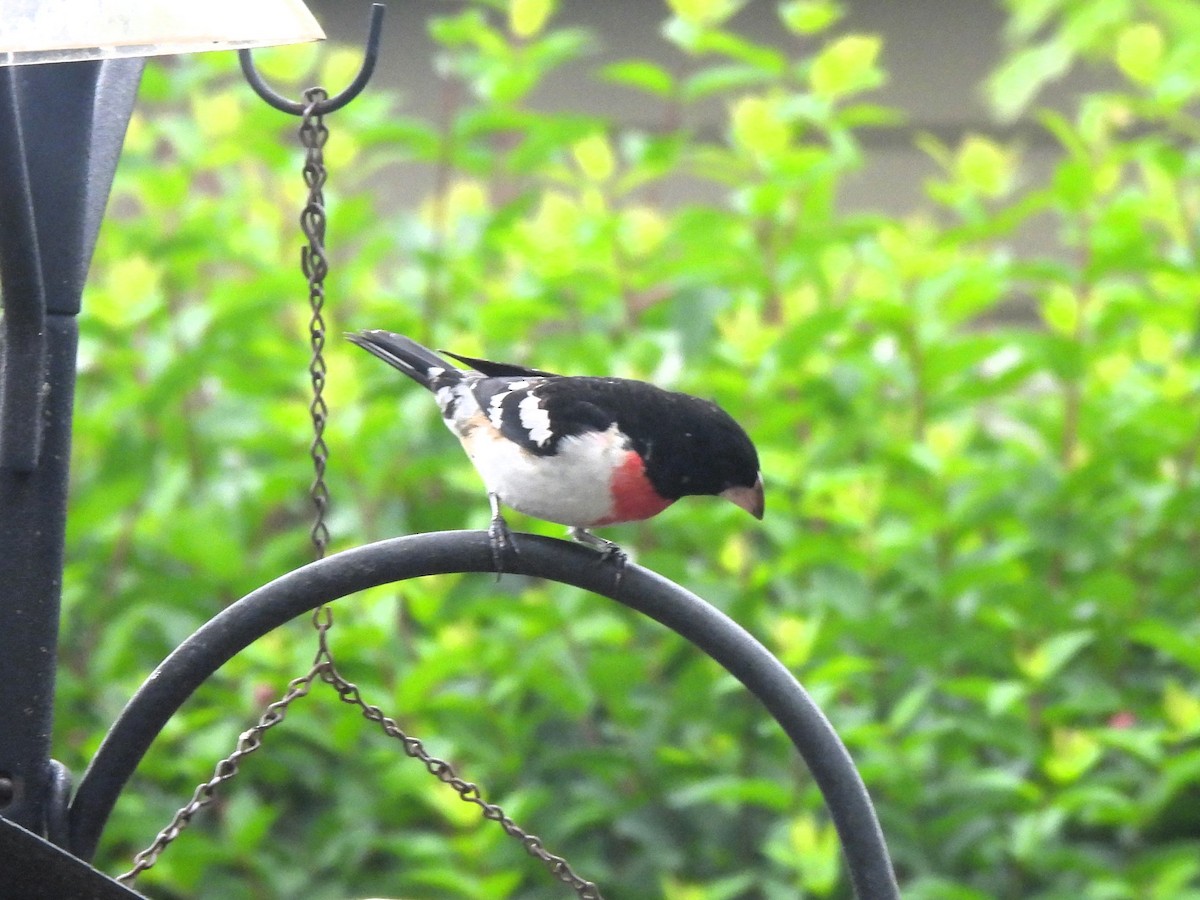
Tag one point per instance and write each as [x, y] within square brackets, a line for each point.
[983, 503]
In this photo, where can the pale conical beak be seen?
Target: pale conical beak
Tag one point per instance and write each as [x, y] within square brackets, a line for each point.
[748, 498]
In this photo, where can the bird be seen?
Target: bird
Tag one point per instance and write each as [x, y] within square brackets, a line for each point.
[580, 451]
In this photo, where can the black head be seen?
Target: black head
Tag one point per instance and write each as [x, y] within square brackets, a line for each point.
[693, 447]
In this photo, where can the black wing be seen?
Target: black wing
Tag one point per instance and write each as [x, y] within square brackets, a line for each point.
[537, 412]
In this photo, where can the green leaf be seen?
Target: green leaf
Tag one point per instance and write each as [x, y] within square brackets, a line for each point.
[1003, 696]
[845, 66]
[468, 27]
[812, 850]
[288, 64]
[909, 706]
[1167, 639]
[594, 156]
[985, 166]
[1182, 709]
[1060, 310]
[723, 79]
[1014, 85]
[758, 128]
[1072, 753]
[527, 18]
[1140, 52]
[725, 43]
[703, 12]
[1048, 658]
[640, 74]
[809, 16]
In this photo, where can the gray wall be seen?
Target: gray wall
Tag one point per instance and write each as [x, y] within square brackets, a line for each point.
[937, 53]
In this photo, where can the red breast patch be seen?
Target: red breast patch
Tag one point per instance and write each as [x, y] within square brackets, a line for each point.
[634, 498]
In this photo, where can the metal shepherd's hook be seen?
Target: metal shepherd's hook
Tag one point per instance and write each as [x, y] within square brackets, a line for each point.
[297, 107]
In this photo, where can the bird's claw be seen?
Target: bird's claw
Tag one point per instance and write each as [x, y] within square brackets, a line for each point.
[499, 536]
[609, 551]
[501, 540]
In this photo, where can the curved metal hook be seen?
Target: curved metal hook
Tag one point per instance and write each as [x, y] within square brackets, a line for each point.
[296, 108]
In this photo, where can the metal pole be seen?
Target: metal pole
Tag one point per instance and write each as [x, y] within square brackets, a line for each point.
[62, 127]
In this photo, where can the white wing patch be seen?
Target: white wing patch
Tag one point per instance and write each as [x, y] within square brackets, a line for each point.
[496, 409]
[445, 396]
[459, 406]
[534, 419]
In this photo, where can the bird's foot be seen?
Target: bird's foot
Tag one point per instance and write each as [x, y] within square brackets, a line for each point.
[501, 541]
[609, 551]
[499, 536]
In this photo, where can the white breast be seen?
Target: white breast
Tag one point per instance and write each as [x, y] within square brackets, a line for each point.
[571, 487]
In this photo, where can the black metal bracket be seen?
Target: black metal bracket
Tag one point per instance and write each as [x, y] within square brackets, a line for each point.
[296, 108]
[35, 869]
[61, 130]
[297, 592]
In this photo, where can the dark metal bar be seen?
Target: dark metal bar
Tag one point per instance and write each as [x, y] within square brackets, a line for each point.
[73, 117]
[32, 524]
[62, 128]
[51, 241]
[470, 551]
[297, 107]
[23, 326]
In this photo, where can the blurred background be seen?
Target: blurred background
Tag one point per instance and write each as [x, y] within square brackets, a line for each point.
[940, 259]
[937, 53]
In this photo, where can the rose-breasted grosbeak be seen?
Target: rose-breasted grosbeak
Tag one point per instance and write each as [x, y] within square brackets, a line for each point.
[575, 450]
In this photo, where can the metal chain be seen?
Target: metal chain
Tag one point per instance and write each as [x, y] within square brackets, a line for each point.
[313, 135]
[466, 790]
[226, 769]
[314, 264]
[251, 740]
